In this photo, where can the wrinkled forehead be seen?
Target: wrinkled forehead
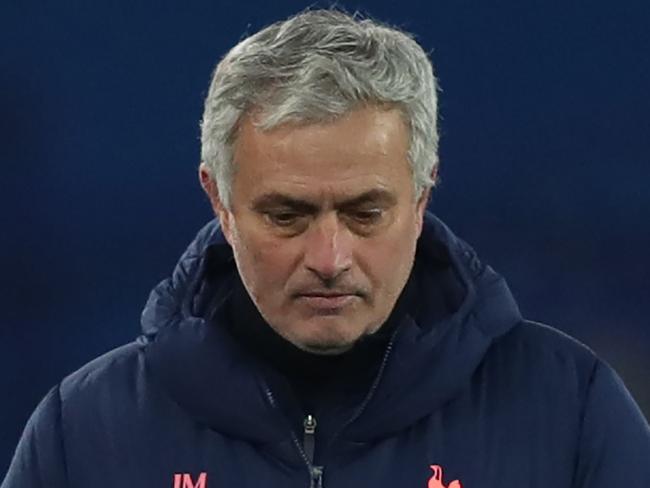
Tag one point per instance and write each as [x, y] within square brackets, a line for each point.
[365, 149]
[372, 131]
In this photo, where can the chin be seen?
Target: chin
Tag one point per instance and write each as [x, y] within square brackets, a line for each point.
[325, 349]
[327, 340]
[323, 334]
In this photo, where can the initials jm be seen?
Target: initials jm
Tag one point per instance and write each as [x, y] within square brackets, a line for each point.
[184, 480]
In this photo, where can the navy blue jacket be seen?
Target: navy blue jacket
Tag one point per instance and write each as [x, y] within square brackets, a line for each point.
[469, 394]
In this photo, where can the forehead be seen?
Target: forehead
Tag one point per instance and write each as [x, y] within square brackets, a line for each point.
[362, 150]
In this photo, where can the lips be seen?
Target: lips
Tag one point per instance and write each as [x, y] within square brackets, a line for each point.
[327, 300]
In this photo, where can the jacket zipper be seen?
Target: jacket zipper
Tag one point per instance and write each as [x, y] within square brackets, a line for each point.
[307, 448]
[371, 392]
[309, 444]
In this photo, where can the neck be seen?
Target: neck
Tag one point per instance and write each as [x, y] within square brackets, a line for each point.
[255, 335]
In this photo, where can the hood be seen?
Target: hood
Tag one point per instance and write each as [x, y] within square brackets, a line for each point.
[463, 307]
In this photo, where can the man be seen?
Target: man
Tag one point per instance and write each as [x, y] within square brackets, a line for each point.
[326, 330]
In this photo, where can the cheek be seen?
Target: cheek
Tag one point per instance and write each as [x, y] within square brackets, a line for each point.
[266, 264]
[388, 260]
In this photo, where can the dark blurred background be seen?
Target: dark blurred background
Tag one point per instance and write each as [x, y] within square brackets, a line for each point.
[545, 120]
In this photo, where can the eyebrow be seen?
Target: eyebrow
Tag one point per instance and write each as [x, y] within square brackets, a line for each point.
[376, 195]
[275, 199]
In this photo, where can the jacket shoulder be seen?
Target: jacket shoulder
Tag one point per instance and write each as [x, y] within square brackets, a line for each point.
[612, 436]
[541, 342]
[111, 405]
[65, 421]
[541, 362]
[104, 373]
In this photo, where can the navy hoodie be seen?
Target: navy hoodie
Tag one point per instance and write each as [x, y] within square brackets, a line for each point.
[467, 394]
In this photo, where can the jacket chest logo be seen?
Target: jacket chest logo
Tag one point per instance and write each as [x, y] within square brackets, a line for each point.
[184, 480]
[436, 479]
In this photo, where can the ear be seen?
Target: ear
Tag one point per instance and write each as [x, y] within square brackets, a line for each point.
[423, 201]
[420, 208]
[434, 175]
[211, 189]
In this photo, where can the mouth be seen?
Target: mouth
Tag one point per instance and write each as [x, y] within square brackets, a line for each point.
[327, 300]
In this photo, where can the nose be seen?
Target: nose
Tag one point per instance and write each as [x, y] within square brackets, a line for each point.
[328, 248]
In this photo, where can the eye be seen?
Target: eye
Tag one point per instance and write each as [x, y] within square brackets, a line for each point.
[367, 216]
[283, 218]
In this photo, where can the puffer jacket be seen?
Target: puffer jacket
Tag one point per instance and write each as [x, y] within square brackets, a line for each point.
[469, 394]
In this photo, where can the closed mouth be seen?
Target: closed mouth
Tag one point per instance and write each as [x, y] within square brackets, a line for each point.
[326, 301]
[326, 295]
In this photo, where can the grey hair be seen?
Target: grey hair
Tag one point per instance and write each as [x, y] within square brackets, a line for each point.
[314, 67]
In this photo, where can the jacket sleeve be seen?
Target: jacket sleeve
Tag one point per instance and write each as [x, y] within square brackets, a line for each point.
[39, 461]
[614, 446]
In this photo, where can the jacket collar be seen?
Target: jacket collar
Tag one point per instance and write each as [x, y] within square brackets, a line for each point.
[464, 308]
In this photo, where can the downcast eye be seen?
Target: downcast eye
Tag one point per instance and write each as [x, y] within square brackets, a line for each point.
[370, 216]
[283, 219]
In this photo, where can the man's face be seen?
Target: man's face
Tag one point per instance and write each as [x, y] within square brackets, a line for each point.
[323, 224]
